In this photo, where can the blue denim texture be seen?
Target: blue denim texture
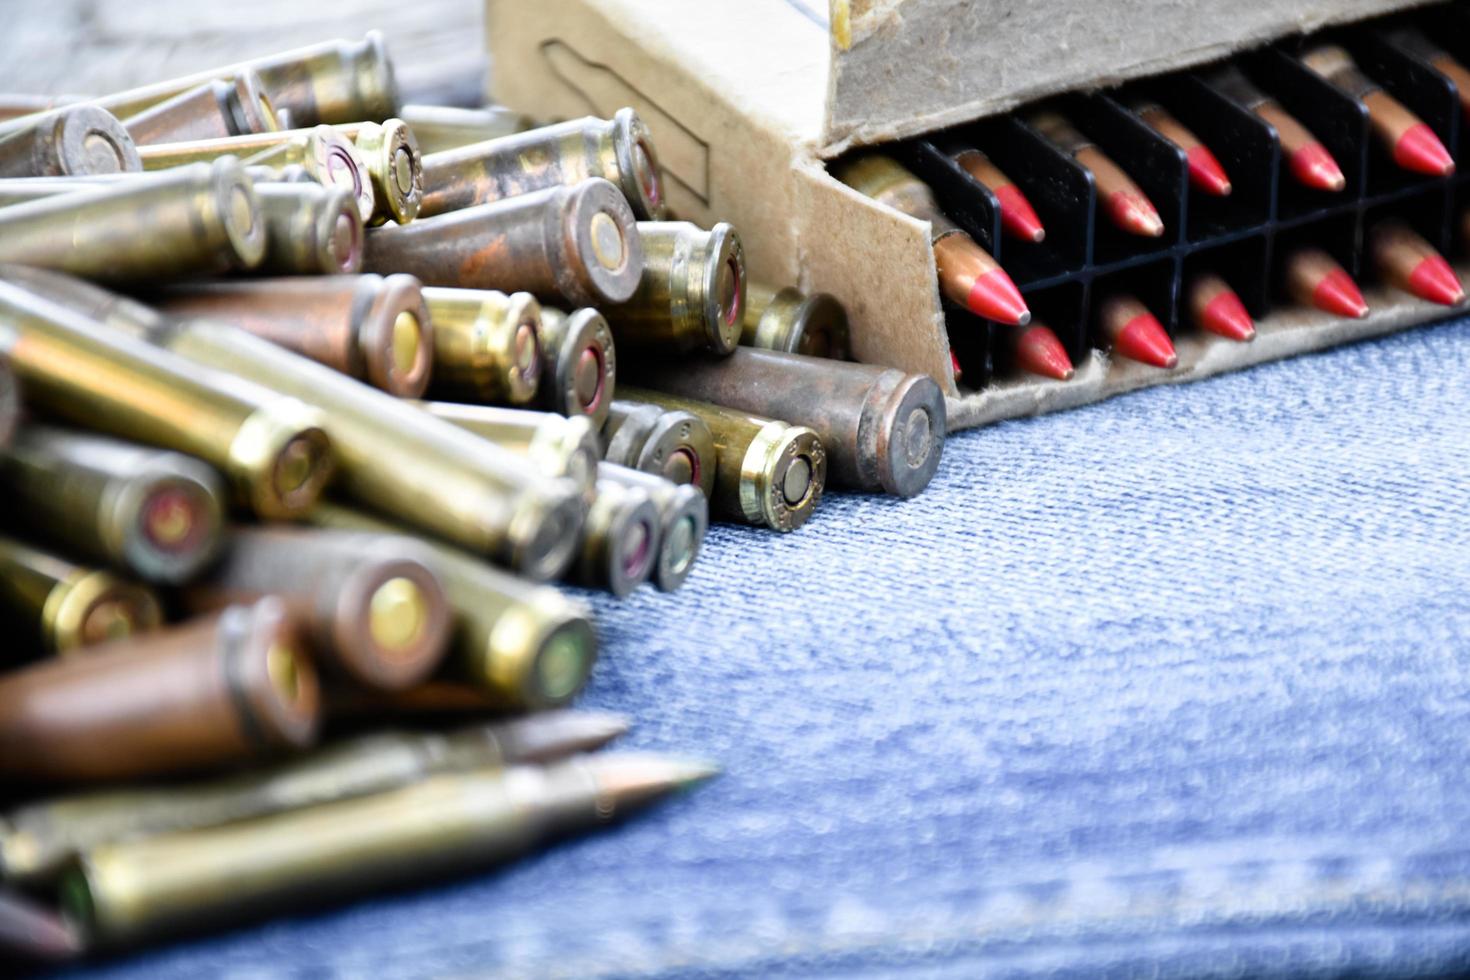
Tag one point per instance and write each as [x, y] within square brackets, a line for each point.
[1174, 685]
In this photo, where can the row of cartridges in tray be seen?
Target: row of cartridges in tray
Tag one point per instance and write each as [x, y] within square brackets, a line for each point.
[240, 508]
[970, 277]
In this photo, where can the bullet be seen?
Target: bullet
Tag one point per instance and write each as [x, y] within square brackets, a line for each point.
[968, 276]
[580, 369]
[1313, 278]
[516, 646]
[1406, 261]
[577, 243]
[443, 824]
[38, 839]
[72, 140]
[1406, 137]
[692, 292]
[322, 152]
[271, 448]
[683, 514]
[1205, 173]
[54, 606]
[1133, 332]
[373, 328]
[1037, 350]
[310, 230]
[487, 345]
[1216, 309]
[1017, 217]
[441, 128]
[29, 931]
[199, 220]
[795, 322]
[155, 513]
[619, 539]
[1448, 66]
[1306, 158]
[211, 110]
[767, 472]
[394, 458]
[209, 693]
[882, 429]
[675, 445]
[556, 446]
[618, 150]
[1122, 200]
[394, 166]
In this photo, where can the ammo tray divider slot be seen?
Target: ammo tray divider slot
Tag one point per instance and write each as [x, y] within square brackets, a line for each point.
[1240, 237]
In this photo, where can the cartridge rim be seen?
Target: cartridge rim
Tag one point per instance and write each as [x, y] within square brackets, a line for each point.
[599, 257]
[392, 619]
[562, 663]
[168, 525]
[282, 458]
[87, 139]
[909, 432]
[335, 162]
[395, 335]
[680, 448]
[585, 330]
[93, 607]
[621, 538]
[724, 288]
[685, 514]
[814, 325]
[339, 233]
[238, 211]
[252, 111]
[273, 681]
[641, 178]
[782, 475]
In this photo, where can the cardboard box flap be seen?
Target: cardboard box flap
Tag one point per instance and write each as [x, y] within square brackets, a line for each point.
[904, 67]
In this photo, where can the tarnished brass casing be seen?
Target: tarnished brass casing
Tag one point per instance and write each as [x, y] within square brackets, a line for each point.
[795, 322]
[391, 154]
[54, 606]
[620, 542]
[441, 128]
[556, 445]
[214, 109]
[683, 519]
[487, 345]
[581, 364]
[69, 141]
[675, 445]
[309, 229]
[692, 292]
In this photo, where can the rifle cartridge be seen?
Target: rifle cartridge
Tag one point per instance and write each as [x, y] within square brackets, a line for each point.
[368, 327]
[193, 221]
[154, 512]
[766, 471]
[372, 606]
[72, 140]
[675, 445]
[271, 447]
[212, 110]
[576, 243]
[394, 166]
[556, 445]
[789, 320]
[581, 365]
[691, 294]
[209, 693]
[620, 539]
[54, 606]
[309, 229]
[487, 345]
[683, 512]
[618, 150]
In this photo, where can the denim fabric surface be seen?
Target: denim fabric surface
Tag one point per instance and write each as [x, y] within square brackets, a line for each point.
[1172, 685]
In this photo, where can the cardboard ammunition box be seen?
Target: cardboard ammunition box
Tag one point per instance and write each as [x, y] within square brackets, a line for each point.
[748, 99]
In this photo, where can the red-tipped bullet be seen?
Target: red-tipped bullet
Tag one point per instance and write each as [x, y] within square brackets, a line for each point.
[1205, 172]
[1419, 150]
[1313, 166]
[1039, 351]
[1017, 218]
[1313, 278]
[1123, 201]
[1135, 333]
[1216, 308]
[969, 276]
[1408, 262]
[1305, 156]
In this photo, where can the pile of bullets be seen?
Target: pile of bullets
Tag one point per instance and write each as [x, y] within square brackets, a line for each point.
[291, 447]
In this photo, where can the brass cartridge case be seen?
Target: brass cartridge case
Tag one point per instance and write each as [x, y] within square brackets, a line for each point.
[69, 141]
[195, 221]
[325, 154]
[372, 328]
[883, 430]
[683, 512]
[556, 445]
[440, 825]
[54, 606]
[210, 693]
[309, 229]
[766, 471]
[373, 608]
[211, 110]
[620, 542]
[675, 445]
[618, 150]
[272, 448]
[487, 345]
[795, 322]
[38, 839]
[691, 295]
[519, 645]
[581, 366]
[154, 512]
[441, 128]
[575, 243]
[394, 166]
